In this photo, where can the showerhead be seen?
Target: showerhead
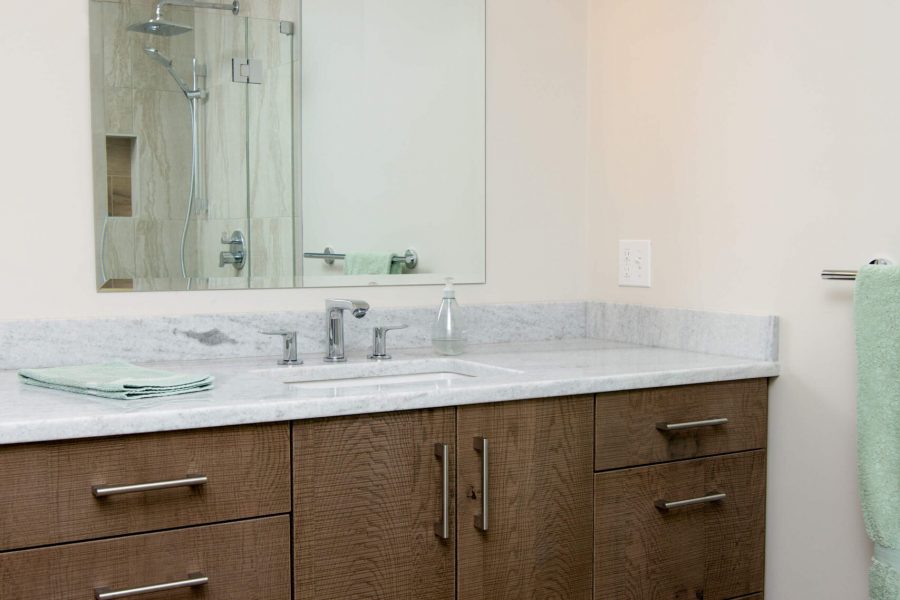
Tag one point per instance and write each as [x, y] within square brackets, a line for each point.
[159, 57]
[167, 63]
[158, 26]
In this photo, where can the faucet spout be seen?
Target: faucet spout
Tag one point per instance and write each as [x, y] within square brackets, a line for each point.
[334, 324]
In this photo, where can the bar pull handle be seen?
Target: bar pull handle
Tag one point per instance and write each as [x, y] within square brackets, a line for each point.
[442, 527]
[193, 580]
[481, 521]
[670, 505]
[102, 491]
[691, 424]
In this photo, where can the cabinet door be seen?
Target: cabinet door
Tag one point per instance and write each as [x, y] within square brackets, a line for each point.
[368, 495]
[537, 542]
[240, 560]
[654, 543]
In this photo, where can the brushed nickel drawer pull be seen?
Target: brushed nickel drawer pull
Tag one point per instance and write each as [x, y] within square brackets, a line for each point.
[101, 491]
[193, 580]
[481, 521]
[691, 424]
[442, 527]
[669, 505]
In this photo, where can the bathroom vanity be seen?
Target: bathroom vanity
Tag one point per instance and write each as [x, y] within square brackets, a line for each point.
[625, 472]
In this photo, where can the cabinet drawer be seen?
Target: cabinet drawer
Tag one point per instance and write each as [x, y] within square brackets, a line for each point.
[247, 559]
[709, 550]
[47, 495]
[631, 426]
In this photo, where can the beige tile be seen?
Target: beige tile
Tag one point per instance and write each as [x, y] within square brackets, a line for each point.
[119, 108]
[225, 144]
[284, 10]
[116, 59]
[163, 129]
[271, 144]
[119, 248]
[272, 253]
[158, 249]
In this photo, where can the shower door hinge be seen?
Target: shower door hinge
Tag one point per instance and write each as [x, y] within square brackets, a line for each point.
[246, 70]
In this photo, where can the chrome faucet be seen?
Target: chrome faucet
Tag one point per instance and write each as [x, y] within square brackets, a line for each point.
[334, 324]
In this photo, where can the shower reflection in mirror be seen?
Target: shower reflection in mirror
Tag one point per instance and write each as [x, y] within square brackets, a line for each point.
[197, 112]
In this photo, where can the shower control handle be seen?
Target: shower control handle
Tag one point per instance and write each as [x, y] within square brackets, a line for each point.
[236, 254]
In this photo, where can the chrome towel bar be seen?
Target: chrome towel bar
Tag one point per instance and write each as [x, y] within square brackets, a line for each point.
[845, 275]
[410, 258]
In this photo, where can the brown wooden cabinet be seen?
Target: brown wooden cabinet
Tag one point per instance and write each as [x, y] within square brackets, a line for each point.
[538, 539]
[558, 498]
[240, 560]
[681, 529]
[368, 492]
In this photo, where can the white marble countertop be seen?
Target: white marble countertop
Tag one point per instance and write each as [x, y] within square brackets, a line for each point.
[241, 395]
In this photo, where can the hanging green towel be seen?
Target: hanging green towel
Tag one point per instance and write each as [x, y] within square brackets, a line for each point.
[119, 380]
[877, 314]
[372, 263]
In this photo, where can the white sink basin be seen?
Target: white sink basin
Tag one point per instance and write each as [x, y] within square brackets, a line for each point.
[426, 371]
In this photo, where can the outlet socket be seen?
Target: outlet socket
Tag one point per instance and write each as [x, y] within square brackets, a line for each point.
[634, 263]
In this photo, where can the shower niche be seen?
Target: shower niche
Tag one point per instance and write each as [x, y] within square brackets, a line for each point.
[180, 141]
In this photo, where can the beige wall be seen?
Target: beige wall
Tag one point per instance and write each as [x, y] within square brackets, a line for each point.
[755, 142]
[536, 67]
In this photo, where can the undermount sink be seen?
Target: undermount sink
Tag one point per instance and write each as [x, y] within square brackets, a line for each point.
[428, 371]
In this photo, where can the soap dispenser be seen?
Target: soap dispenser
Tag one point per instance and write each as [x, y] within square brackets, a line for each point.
[448, 335]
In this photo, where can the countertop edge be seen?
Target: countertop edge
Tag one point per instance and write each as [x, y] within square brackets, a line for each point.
[259, 410]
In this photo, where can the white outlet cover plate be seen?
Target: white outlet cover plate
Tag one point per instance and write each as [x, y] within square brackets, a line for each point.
[634, 263]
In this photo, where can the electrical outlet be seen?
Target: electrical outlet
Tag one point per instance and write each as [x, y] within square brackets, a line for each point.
[634, 263]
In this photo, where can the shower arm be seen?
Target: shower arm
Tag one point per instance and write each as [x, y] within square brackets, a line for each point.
[234, 7]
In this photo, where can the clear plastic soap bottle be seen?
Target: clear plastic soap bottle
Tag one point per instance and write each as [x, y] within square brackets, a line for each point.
[448, 334]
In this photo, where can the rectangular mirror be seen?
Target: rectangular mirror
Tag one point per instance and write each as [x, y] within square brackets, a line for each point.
[221, 162]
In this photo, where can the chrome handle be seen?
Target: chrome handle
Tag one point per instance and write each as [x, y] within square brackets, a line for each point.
[193, 580]
[691, 424]
[442, 527]
[481, 521]
[289, 347]
[379, 341]
[669, 505]
[101, 491]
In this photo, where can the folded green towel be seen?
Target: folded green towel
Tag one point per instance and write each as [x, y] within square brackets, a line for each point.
[372, 263]
[119, 380]
[877, 314]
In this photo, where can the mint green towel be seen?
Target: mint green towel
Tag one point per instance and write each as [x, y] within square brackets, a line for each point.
[119, 380]
[372, 263]
[877, 314]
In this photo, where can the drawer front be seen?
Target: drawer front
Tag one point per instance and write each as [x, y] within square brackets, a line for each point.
[709, 550]
[644, 427]
[243, 560]
[47, 496]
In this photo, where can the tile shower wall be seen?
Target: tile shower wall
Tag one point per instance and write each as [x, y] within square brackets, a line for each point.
[142, 100]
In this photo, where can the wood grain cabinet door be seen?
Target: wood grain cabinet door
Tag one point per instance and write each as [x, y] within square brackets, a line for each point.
[369, 491]
[242, 560]
[537, 543]
[705, 550]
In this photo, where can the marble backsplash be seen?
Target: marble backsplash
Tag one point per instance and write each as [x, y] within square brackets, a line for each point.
[38, 343]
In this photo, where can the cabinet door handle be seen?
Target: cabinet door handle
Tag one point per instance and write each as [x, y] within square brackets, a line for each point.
[193, 580]
[101, 491]
[481, 521]
[442, 527]
[669, 505]
[691, 424]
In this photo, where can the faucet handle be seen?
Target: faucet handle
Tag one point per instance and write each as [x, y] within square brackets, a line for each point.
[289, 348]
[379, 341]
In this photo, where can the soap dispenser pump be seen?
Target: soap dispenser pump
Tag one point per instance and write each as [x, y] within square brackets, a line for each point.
[448, 335]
